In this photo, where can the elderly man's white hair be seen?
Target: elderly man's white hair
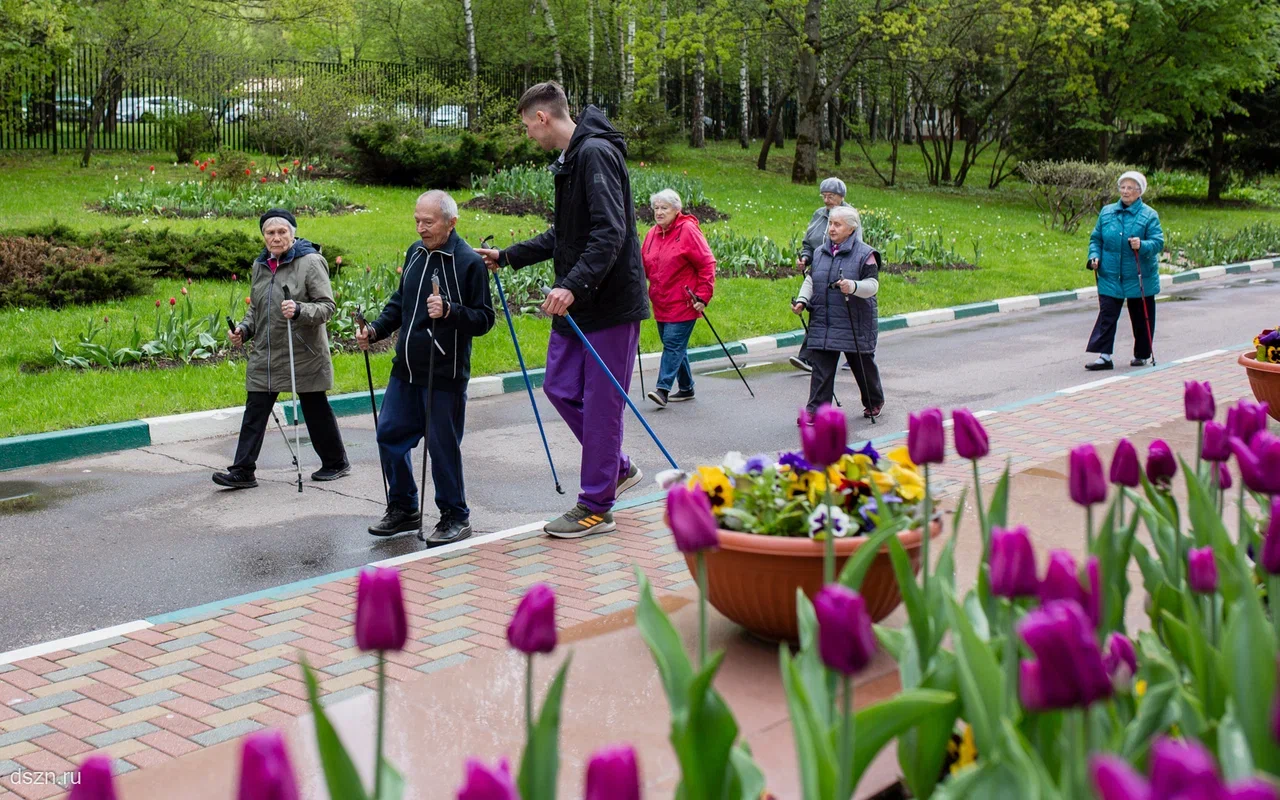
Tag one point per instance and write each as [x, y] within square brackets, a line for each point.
[847, 213]
[280, 221]
[668, 197]
[447, 205]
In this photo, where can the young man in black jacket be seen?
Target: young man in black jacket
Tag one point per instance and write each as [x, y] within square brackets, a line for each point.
[600, 280]
[462, 310]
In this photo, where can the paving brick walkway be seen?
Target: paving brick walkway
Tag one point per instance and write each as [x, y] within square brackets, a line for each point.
[165, 691]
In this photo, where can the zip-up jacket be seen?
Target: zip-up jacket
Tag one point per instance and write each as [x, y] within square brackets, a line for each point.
[593, 242]
[464, 285]
[675, 259]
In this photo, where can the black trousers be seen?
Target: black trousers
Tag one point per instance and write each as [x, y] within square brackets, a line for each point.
[822, 381]
[322, 429]
[1103, 338]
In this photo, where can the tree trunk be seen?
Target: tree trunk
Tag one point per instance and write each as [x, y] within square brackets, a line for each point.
[775, 116]
[1217, 157]
[662, 54]
[591, 52]
[622, 50]
[824, 130]
[699, 101]
[629, 89]
[804, 170]
[555, 41]
[113, 104]
[838, 107]
[96, 113]
[744, 90]
[764, 84]
[473, 64]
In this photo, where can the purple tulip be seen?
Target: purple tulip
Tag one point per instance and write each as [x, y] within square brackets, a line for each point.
[1182, 769]
[1013, 563]
[381, 623]
[1271, 540]
[483, 783]
[1116, 780]
[1217, 444]
[1060, 636]
[1030, 687]
[1224, 476]
[926, 442]
[692, 523]
[265, 771]
[612, 774]
[971, 437]
[1125, 469]
[1245, 419]
[1250, 789]
[824, 441]
[1161, 465]
[94, 781]
[1198, 399]
[533, 626]
[1121, 661]
[1062, 579]
[1259, 462]
[1202, 570]
[846, 641]
[1086, 482]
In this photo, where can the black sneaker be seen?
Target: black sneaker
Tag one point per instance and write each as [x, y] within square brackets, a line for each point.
[800, 364]
[396, 520]
[659, 397]
[234, 479]
[578, 522]
[449, 530]
[633, 477]
[680, 396]
[1100, 364]
[331, 473]
[1138, 362]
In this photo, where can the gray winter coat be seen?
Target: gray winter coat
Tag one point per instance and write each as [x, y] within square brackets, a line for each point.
[816, 233]
[306, 273]
[829, 319]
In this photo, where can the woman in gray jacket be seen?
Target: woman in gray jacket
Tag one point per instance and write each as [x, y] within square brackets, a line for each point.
[840, 294]
[287, 261]
[833, 192]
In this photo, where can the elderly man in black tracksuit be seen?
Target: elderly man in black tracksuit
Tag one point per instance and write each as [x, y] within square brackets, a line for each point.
[460, 311]
[600, 280]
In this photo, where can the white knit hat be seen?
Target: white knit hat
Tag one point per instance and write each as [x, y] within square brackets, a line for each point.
[1136, 177]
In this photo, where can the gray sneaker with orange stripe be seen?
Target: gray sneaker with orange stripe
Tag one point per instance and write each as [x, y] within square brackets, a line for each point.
[578, 522]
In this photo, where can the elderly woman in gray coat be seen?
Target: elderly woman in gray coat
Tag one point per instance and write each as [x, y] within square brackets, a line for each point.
[296, 264]
[833, 192]
[840, 294]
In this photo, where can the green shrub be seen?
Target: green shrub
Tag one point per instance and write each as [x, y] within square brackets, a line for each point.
[1066, 192]
[186, 134]
[536, 185]
[648, 129]
[404, 154]
[35, 272]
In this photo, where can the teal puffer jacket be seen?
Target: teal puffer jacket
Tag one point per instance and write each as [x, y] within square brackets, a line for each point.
[1109, 243]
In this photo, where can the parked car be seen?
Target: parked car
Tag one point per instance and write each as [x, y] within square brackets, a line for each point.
[449, 117]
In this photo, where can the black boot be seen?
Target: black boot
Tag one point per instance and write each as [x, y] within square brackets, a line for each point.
[396, 520]
[235, 479]
[449, 530]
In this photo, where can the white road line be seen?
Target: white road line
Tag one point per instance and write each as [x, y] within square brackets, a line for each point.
[947, 423]
[1200, 357]
[1084, 387]
[463, 545]
[73, 641]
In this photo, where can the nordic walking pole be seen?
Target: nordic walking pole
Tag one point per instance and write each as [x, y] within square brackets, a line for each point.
[426, 424]
[586, 343]
[293, 384]
[853, 328]
[232, 326]
[373, 402]
[640, 365]
[1151, 344]
[707, 319]
[834, 396]
[528, 385]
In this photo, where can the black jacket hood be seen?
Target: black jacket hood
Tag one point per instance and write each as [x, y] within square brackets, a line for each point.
[594, 125]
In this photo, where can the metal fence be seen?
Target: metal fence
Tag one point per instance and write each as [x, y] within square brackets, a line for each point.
[53, 110]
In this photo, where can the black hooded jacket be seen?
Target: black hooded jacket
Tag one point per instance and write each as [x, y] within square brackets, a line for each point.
[593, 240]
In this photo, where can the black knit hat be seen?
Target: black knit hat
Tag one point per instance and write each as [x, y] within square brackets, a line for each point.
[276, 212]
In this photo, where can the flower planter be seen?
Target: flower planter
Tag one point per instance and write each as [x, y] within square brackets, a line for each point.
[752, 579]
[1264, 379]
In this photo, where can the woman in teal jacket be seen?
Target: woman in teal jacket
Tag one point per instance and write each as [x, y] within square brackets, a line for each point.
[1123, 251]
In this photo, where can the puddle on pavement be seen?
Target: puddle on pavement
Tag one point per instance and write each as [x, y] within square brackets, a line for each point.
[17, 497]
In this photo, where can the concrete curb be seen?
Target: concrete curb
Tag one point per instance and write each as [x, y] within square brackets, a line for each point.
[44, 448]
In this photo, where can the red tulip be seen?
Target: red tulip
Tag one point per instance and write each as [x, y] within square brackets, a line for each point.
[338, 261]
[202, 166]
[107, 320]
[295, 162]
[157, 304]
[263, 179]
[248, 171]
[153, 169]
[213, 161]
[184, 290]
[285, 170]
[213, 174]
[173, 301]
[247, 302]
[233, 277]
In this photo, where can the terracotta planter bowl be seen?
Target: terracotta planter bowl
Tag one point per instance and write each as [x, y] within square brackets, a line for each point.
[1264, 379]
[752, 579]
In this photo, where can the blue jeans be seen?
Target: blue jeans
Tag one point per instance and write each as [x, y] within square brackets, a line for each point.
[675, 355]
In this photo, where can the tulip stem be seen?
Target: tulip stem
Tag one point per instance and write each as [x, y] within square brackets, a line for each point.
[1073, 720]
[1242, 531]
[1273, 601]
[1088, 530]
[926, 530]
[982, 513]
[846, 741]
[528, 697]
[1199, 446]
[702, 609]
[382, 710]
[1010, 659]
[829, 543]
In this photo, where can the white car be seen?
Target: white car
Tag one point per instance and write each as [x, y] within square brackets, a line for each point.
[449, 117]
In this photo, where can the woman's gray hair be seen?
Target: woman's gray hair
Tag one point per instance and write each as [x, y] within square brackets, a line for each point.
[847, 213]
[667, 196]
[834, 185]
[279, 221]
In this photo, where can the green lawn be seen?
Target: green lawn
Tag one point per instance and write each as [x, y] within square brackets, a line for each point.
[1018, 256]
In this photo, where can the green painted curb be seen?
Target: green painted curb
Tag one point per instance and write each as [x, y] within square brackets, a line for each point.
[1236, 269]
[1186, 277]
[1053, 298]
[514, 381]
[895, 323]
[789, 339]
[976, 309]
[43, 448]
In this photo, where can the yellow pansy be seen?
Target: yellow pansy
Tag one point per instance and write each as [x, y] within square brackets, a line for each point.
[900, 455]
[1140, 688]
[814, 485]
[910, 486]
[883, 480]
[715, 482]
[967, 752]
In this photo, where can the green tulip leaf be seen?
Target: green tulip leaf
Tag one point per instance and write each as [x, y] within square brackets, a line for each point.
[1251, 648]
[540, 762]
[1154, 715]
[665, 645]
[703, 738]
[879, 724]
[748, 781]
[815, 757]
[392, 782]
[1233, 749]
[856, 567]
[998, 510]
[340, 775]
[913, 599]
[922, 749]
[981, 681]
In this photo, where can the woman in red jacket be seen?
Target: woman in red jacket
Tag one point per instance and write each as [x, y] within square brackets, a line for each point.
[677, 261]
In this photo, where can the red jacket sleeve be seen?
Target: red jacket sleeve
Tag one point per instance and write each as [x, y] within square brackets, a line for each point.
[704, 265]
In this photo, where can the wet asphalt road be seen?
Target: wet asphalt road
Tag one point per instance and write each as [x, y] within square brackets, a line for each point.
[109, 539]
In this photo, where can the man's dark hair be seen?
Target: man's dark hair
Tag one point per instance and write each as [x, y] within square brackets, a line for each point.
[548, 97]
